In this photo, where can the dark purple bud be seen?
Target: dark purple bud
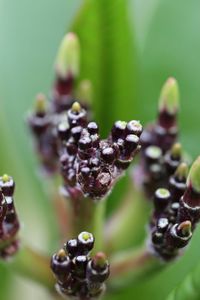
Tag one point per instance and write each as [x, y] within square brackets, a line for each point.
[76, 132]
[79, 266]
[180, 234]
[85, 242]
[71, 148]
[134, 127]
[162, 225]
[98, 268]
[190, 202]
[7, 185]
[118, 130]
[85, 143]
[39, 120]
[173, 158]
[72, 248]
[131, 144]
[153, 154]
[108, 154]
[85, 172]
[93, 128]
[95, 140]
[63, 131]
[161, 199]
[157, 238]
[61, 265]
[177, 182]
[3, 209]
[77, 115]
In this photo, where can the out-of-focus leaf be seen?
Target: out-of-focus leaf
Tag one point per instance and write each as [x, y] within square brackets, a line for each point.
[189, 288]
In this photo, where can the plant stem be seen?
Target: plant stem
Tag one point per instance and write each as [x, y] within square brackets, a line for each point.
[131, 266]
[126, 227]
[34, 266]
[88, 215]
[85, 214]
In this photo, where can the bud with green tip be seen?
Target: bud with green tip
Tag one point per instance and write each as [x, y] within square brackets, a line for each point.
[68, 57]
[181, 172]
[169, 97]
[176, 151]
[177, 182]
[169, 106]
[173, 158]
[185, 228]
[190, 203]
[180, 234]
[40, 104]
[194, 176]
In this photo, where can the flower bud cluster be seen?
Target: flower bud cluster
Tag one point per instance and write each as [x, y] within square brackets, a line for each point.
[79, 275]
[9, 224]
[176, 213]
[90, 165]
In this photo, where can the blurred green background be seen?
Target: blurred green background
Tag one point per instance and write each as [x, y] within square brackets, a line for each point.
[166, 43]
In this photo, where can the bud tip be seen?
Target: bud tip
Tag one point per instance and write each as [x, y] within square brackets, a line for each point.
[5, 178]
[193, 179]
[169, 97]
[76, 107]
[67, 62]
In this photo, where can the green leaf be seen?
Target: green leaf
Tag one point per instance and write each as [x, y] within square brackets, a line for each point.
[108, 59]
[189, 288]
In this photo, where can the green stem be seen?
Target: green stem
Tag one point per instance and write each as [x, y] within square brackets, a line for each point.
[126, 227]
[34, 266]
[99, 219]
[131, 266]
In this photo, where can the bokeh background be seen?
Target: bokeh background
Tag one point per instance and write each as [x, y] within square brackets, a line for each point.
[166, 43]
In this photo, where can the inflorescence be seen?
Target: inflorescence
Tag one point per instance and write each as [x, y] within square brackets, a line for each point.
[79, 275]
[68, 143]
[65, 136]
[90, 166]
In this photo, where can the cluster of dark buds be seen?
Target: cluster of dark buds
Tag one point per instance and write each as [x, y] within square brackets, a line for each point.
[44, 119]
[64, 134]
[9, 224]
[68, 142]
[77, 274]
[176, 213]
[90, 166]
[160, 152]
